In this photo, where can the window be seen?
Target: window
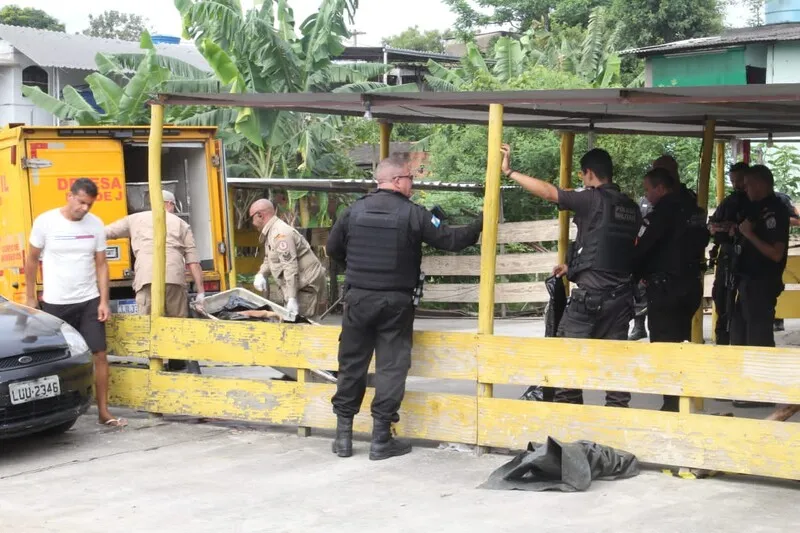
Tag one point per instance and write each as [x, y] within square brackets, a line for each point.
[36, 77]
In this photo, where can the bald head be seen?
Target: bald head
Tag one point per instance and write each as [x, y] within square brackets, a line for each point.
[261, 211]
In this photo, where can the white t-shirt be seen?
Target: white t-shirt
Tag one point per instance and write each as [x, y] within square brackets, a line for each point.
[68, 256]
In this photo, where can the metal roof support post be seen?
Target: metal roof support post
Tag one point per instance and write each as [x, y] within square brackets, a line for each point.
[158, 286]
[564, 181]
[491, 216]
[232, 227]
[720, 193]
[386, 138]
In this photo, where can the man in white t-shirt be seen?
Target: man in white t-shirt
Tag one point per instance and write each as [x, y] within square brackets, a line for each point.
[71, 243]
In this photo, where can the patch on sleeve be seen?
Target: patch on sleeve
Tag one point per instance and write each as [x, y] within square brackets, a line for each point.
[435, 221]
[283, 246]
[771, 223]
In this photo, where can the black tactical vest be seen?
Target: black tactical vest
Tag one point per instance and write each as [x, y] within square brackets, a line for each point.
[607, 236]
[380, 252]
[695, 238]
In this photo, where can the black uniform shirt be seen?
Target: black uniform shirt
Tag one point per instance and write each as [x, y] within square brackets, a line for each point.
[770, 219]
[583, 203]
[657, 247]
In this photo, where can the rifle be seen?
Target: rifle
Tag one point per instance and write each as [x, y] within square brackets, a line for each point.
[731, 264]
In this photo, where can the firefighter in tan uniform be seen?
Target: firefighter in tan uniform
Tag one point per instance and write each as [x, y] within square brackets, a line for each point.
[288, 257]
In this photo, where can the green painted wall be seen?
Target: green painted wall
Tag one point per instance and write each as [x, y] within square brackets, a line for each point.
[723, 67]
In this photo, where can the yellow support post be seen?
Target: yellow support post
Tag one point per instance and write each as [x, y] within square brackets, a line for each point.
[564, 182]
[232, 274]
[720, 194]
[702, 200]
[158, 287]
[386, 138]
[491, 218]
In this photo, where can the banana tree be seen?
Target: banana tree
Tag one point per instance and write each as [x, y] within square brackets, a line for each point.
[122, 96]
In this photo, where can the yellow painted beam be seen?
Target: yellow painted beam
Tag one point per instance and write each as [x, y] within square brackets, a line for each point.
[564, 182]
[733, 372]
[386, 138]
[689, 440]
[702, 200]
[432, 416]
[128, 335]
[233, 274]
[491, 218]
[158, 286]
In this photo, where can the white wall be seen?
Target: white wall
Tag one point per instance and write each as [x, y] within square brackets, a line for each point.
[783, 63]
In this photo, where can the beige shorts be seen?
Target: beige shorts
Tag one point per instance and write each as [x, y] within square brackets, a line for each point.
[177, 301]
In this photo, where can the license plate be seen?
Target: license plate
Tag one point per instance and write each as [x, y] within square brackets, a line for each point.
[127, 307]
[38, 389]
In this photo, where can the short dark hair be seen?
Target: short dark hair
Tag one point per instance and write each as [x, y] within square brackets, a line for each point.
[84, 185]
[741, 166]
[670, 163]
[661, 176]
[598, 161]
[761, 173]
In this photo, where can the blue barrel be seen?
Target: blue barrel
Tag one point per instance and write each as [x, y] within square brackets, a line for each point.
[778, 11]
[165, 39]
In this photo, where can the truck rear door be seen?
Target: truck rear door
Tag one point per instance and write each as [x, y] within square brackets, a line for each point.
[54, 165]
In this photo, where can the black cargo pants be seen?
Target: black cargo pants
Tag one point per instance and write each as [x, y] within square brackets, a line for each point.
[383, 322]
[597, 315]
[673, 303]
[754, 312]
[719, 293]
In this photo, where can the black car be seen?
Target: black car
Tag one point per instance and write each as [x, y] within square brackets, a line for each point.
[46, 372]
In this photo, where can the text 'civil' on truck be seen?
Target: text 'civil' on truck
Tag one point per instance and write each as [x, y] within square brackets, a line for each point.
[39, 164]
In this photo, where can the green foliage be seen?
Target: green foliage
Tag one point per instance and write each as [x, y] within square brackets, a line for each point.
[123, 98]
[115, 25]
[521, 14]
[784, 161]
[415, 39]
[650, 22]
[29, 17]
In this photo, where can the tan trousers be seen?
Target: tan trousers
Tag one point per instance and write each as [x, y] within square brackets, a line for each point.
[310, 296]
[177, 301]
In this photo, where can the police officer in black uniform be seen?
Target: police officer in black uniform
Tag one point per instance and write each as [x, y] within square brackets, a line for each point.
[639, 330]
[670, 254]
[794, 221]
[764, 248]
[379, 239]
[728, 214]
[601, 258]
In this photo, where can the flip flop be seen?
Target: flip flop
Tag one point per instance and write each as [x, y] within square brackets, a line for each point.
[115, 422]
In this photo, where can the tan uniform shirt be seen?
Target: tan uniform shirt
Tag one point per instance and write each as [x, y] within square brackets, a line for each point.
[181, 249]
[288, 256]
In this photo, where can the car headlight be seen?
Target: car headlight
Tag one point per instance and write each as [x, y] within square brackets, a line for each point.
[74, 340]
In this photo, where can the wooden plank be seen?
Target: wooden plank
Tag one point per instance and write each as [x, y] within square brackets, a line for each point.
[532, 231]
[128, 335]
[743, 373]
[432, 416]
[470, 265]
[435, 354]
[698, 441]
[504, 293]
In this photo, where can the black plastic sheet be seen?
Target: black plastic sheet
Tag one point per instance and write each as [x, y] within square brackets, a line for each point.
[552, 318]
[562, 467]
[236, 304]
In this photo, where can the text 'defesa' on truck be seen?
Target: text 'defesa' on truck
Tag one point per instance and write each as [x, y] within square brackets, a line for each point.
[39, 164]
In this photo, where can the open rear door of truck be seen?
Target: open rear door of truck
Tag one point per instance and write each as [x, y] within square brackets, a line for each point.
[54, 165]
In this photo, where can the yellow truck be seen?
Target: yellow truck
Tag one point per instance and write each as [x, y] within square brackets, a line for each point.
[39, 164]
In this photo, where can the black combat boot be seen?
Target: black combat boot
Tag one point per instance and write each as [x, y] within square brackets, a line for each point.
[343, 443]
[638, 332]
[384, 445]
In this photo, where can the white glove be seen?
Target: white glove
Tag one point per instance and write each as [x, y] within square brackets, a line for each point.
[260, 282]
[291, 306]
[198, 300]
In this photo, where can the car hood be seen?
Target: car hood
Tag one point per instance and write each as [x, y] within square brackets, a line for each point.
[23, 329]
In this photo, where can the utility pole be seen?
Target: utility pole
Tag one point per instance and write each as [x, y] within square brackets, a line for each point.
[355, 34]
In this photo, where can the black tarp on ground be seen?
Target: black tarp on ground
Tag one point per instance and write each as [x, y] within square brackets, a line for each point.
[564, 467]
[552, 318]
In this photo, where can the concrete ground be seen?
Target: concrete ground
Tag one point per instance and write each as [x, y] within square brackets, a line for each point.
[160, 475]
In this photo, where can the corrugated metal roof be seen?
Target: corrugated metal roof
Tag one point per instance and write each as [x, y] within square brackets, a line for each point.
[63, 50]
[731, 37]
[395, 55]
[740, 111]
[347, 185]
